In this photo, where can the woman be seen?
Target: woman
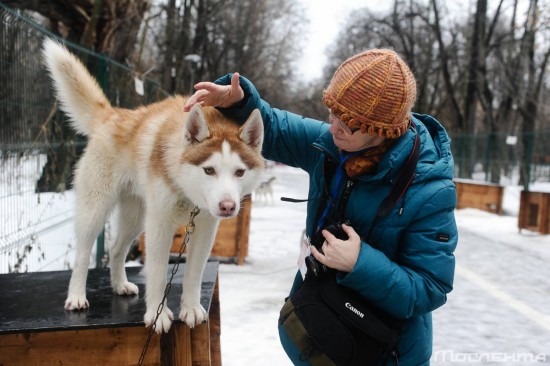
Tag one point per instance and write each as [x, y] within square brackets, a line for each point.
[406, 266]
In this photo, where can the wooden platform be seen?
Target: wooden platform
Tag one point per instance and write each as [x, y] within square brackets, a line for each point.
[36, 330]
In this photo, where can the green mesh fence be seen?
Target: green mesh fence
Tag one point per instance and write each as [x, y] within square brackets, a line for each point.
[520, 159]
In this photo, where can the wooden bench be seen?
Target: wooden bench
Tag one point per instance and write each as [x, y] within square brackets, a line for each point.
[480, 195]
[35, 329]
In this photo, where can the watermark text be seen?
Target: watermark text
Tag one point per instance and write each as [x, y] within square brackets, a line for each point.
[483, 357]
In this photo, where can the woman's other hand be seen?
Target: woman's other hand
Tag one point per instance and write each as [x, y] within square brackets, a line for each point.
[339, 254]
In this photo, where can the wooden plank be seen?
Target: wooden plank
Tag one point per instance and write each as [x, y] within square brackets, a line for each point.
[215, 328]
[244, 232]
[543, 213]
[522, 215]
[225, 243]
[108, 346]
[200, 345]
[181, 346]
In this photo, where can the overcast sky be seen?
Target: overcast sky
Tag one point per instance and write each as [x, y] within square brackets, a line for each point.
[326, 18]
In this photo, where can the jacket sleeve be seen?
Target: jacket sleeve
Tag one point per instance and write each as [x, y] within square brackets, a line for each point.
[287, 136]
[419, 279]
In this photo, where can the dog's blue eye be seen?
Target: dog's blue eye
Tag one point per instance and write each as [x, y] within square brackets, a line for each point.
[209, 171]
[239, 172]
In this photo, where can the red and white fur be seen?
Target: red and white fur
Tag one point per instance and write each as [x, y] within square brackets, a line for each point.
[156, 163]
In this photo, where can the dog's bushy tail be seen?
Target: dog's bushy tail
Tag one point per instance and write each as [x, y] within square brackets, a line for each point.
[77, 91]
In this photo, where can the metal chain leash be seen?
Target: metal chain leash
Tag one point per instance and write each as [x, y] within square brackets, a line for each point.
[189, 229]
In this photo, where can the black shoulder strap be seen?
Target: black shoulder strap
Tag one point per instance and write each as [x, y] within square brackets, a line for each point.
[403, 181]
[401, 184]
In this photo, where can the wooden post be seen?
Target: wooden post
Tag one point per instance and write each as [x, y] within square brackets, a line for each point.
[215, 328]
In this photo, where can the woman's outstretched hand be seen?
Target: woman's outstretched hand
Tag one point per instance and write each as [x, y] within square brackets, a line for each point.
[214, 95]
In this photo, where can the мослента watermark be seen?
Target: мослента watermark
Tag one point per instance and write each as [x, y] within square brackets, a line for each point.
[479, 357]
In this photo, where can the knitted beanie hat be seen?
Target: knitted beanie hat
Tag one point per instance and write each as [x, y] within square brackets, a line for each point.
[373, 91]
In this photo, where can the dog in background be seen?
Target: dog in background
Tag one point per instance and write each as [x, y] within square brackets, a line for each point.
[156, 163]
[264, 192]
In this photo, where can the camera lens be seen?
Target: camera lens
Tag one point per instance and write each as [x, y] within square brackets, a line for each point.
[311, 265]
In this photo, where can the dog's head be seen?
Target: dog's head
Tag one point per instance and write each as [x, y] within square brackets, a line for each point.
[221, 162]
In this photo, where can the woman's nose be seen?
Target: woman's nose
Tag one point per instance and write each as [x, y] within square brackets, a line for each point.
[335, 128]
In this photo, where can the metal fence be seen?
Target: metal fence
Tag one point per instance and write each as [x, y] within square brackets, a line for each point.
[500, 158]
[38, 151]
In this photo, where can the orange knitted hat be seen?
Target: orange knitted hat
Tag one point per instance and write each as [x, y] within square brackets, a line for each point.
[374, 91]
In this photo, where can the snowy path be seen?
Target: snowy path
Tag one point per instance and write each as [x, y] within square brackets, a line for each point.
[499, 311]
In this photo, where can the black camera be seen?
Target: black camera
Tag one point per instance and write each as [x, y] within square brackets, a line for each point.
[314, 267]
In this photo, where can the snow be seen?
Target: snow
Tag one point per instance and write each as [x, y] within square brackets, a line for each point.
[497, 314]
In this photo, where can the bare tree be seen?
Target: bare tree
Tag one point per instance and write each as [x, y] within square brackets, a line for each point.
[535, 72]
[260, 39]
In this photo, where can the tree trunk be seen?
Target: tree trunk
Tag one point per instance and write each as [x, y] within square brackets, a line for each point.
[528, 109]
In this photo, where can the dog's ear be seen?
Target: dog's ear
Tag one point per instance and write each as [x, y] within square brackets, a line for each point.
[252, 132]
[196, 127]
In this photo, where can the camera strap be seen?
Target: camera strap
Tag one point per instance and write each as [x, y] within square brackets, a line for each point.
[340, 174]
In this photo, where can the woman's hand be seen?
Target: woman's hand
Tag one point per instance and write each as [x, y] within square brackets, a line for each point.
[339, 254]
[214, 95]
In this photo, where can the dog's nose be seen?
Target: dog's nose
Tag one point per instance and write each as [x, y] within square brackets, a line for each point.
[227, 207]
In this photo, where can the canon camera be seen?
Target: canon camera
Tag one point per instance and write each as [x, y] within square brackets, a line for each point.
[314, 267]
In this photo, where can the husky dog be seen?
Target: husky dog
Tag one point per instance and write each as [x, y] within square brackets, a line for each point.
[156, 163]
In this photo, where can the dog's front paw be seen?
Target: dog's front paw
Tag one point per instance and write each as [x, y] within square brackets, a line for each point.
[163, 322]
[76, 303]
[125, 289]
[192, 314]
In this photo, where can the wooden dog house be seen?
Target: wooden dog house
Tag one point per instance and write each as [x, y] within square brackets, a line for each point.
[534, 212]
[484, 196]
[36, 330]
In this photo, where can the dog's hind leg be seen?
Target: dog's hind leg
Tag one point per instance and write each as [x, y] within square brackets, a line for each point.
[92, 209]
[130, 225]
[199, 248]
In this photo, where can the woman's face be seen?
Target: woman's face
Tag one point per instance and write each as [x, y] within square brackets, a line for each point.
[351, 140]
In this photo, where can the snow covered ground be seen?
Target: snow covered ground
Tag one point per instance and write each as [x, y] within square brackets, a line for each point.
[497, 314]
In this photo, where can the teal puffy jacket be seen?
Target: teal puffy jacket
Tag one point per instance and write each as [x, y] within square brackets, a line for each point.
[407, 267]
